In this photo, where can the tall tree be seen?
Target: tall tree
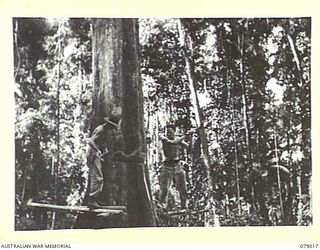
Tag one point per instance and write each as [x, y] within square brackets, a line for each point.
[117, 90]
[187, 48]
[140, 208]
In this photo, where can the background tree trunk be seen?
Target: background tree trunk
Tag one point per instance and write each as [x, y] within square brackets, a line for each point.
[241, 41]
[199, 120]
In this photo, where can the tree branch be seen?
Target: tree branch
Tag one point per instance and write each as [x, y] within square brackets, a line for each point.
[294, 52]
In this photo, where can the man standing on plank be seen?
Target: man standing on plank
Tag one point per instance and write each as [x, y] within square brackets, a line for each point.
[172, 167]
[97, 150]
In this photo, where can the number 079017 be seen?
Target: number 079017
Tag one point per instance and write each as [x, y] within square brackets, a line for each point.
[308, 246]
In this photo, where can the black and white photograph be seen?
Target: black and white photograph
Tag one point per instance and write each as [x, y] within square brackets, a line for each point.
[162, 122]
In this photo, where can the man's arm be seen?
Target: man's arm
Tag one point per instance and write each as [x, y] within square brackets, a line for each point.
[180, 140]
[95, 135]
[175, 141]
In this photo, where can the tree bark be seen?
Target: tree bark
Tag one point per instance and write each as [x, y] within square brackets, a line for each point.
[140, 208]
[117, 90]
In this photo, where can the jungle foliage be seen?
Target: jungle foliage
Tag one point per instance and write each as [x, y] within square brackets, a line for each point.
[252, 77]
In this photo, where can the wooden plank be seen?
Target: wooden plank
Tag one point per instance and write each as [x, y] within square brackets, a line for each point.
[184, 212]
[79, 209]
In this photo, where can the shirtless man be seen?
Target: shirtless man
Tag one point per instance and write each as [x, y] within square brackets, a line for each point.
[172, 167]
[97, 150]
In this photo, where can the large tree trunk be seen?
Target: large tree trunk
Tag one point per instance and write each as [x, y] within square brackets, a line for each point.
[117, 90]
[140, 207]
